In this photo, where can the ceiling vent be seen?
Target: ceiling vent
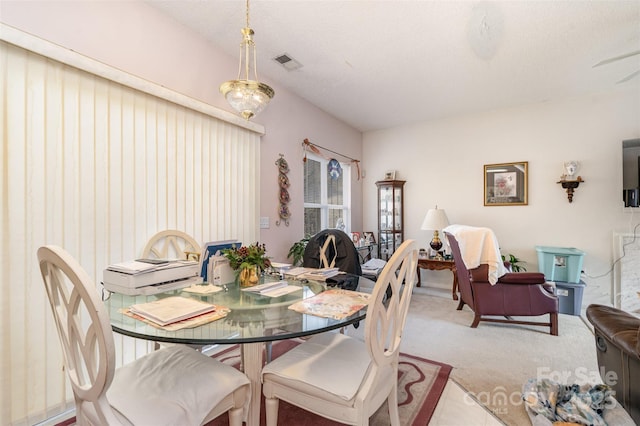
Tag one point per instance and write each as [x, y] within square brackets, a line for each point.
[288, 62]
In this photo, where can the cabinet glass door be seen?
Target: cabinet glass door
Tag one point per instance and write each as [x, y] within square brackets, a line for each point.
[390, 217]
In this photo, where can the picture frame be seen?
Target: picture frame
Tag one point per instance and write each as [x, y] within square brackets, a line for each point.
[506, 184]
[355, 237]
[390, 175]
[370, 236]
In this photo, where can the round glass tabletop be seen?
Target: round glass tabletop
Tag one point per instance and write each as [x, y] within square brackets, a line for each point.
[253, 317]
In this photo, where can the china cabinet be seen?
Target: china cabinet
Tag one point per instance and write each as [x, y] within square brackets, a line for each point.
[390, 216]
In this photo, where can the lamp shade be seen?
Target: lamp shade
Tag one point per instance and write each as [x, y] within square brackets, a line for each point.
[435, 220]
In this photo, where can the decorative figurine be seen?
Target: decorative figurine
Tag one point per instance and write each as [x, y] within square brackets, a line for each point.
[570, 167]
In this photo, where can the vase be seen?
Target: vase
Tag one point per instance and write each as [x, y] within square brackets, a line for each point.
[248, 276]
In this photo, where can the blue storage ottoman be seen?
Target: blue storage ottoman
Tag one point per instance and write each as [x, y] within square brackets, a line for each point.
[560, 263]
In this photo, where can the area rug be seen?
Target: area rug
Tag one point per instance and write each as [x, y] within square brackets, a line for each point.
[420, 384]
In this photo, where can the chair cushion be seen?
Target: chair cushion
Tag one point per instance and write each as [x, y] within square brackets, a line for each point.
[330, 361]
[171, 386]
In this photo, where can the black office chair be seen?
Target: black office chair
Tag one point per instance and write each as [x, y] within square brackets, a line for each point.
[332, 248]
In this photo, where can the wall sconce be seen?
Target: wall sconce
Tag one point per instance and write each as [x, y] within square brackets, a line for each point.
[568, 180]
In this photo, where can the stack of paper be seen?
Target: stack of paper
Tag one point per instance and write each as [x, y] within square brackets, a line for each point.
[214, 248]
[274, 289]
[322, 274]
[280, 266]
[373, 266]
[297, 271]
[171, 309]
[133, 266]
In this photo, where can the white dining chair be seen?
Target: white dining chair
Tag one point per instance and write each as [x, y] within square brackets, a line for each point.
[170, 244]
[172, 386]
[343, 378]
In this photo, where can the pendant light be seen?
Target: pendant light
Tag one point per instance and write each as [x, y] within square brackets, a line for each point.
[247, 96]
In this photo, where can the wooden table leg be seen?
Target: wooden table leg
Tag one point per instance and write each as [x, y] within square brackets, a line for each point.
[439, 265]
[252, 363]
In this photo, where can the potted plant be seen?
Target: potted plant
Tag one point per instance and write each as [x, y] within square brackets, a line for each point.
[248, 262]
[296, 252]
[514, 263]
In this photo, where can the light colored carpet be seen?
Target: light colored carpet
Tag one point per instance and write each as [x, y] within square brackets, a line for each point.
[493, 361]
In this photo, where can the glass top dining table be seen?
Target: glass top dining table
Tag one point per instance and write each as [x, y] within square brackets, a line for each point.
[253, 320]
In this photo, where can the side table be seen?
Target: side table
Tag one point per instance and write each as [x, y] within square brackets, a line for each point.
[367, 252]
[439, 265]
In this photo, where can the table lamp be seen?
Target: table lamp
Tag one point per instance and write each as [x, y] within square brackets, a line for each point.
[435, 220]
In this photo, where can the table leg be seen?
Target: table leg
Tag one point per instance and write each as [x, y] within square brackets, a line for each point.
[252, 363]
[418, 270]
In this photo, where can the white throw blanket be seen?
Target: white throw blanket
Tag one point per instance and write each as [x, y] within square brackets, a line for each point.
[479, 246]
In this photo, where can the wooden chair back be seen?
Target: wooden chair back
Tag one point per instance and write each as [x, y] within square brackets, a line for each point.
[171, 244]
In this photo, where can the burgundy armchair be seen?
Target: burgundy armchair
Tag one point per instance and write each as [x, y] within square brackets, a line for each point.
[514, 294]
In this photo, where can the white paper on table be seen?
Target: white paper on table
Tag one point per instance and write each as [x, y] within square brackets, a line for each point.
[281, 291]
[263, 288]
[298, 271]
[203, 289]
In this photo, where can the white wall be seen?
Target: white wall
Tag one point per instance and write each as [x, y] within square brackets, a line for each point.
[442, 162]
[138, 39]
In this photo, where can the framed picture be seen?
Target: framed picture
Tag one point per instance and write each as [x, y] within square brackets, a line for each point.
[355, 237]
[505, 184]
[390, 175]
[368, 236]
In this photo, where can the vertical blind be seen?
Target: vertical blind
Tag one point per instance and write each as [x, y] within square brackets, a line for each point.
[98, 167]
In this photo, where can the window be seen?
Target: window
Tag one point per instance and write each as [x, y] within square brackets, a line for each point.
[327, 195]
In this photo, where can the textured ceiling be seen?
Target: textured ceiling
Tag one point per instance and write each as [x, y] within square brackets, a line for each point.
[379, 64]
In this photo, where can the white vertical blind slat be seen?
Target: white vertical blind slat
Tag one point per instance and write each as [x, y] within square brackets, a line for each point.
[98, 168]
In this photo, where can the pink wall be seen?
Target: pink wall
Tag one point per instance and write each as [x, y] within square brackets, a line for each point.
[140, 40]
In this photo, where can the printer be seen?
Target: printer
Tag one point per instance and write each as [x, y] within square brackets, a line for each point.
[141, 277]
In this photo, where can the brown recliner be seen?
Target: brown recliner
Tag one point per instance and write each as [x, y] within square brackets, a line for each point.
[617, 335]
[515, 294]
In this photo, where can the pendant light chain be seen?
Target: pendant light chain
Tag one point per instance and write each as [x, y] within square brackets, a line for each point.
[247, 13]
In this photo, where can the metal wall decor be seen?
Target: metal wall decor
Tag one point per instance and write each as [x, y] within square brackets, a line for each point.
[334, 168]
[283, 195]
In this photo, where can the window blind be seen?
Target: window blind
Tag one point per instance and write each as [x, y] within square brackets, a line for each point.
[98, 167]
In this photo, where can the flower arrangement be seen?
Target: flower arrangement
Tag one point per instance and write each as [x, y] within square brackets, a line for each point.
[247, 256]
